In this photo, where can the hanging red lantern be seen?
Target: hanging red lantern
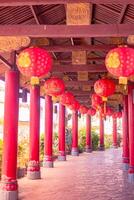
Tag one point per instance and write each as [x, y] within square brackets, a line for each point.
[34, 62]
[54, 86]
[91, 111]
[83, 109]
[104, 88]
[107, 112]
[96, 101]
[66, 98]
[120, 63]
[75, 105]
[117, 115]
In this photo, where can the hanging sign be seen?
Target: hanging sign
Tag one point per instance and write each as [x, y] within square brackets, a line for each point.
[82, 76]
[78, 14]
[79, 57]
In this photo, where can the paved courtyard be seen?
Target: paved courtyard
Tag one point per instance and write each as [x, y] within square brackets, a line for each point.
[95, 176]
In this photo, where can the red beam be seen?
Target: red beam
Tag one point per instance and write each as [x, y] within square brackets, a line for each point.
[64, 31]
[41, 2]
[92, 68]
[79, 83]
[69, 48]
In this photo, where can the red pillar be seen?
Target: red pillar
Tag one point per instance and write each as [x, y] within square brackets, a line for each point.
[33, 171]
[75, 150]
[88, 134]
[62, 153]
[48, 159]
[101, 134]
[9, 186]
[115, 145]
[131, 132]
[125, 134]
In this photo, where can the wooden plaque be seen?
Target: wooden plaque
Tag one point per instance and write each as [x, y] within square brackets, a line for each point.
[78, 14]
[82, 76]
[79, 58]
[86, 88]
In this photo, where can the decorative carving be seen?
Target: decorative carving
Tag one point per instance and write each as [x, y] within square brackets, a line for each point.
[33, 166]
[8, 44]
[8, 184]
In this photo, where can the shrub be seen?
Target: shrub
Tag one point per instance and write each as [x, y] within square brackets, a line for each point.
[95, 140]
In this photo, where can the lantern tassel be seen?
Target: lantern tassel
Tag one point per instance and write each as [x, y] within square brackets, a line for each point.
[34, 80]
[123, 80]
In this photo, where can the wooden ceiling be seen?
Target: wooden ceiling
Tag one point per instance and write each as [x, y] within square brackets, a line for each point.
[45, 22]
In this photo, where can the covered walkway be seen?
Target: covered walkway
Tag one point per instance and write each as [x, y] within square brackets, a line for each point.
[96, 176]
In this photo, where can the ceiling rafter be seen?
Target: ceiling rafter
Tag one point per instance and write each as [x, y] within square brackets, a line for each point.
[122, 14]
[50, 2]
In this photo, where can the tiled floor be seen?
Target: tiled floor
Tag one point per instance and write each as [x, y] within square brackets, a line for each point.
[95, 176]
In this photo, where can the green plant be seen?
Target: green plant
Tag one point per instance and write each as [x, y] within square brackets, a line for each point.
[82, 139]
[108, 140]
[95, 140]
[23, 153]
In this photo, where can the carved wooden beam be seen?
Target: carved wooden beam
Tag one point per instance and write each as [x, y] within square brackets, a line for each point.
[64, 31]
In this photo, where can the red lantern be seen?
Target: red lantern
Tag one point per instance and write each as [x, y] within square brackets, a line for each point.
[66, 98]
[34, 62]
[107, 112]
[120, 63]
[91, 111]
[117, 115]
[54, 86]
[74, 106]
[96, 101]
[104, 88]
[83, 109]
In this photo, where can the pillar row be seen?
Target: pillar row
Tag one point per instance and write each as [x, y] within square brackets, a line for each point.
[101, 148]
[48, 139]
[9, 185]
[115, 145]
[75, 150]
[88, 134]
[125, 154]
[62, 153]
[131, 132]
[33, 171]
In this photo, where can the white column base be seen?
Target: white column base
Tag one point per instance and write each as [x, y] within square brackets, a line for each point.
[101, 148]
[61, 158]
[131, 178]
[33, 175]
[75, 152]
[125, 166]
[8, 195]
[88, 150]
[48, 164]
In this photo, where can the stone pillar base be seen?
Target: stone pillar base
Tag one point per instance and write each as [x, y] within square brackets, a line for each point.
[8, 195]
[88, 150]
[33, 175]
[75, 152]
[61, 158]
[48, 164]
[131, 178]
[101, 148]
[114, 146]
[125, 166]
